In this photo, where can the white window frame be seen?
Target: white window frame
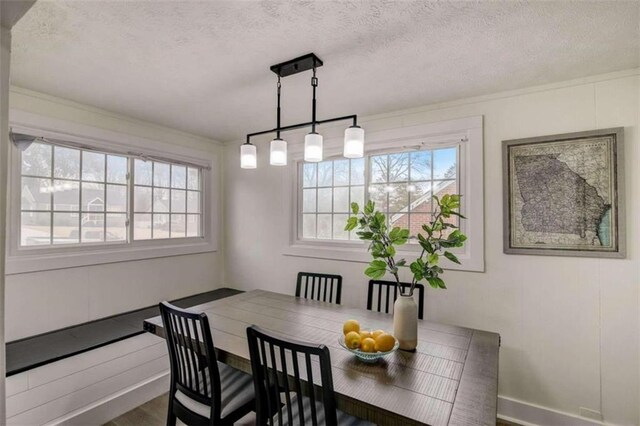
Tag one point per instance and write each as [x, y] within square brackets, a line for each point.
[22, 259]
[466, 132]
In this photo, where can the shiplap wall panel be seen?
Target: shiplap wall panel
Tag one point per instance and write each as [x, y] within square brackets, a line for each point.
[77, 383]
[16, 384]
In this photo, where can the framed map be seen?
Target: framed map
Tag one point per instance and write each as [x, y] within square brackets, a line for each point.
[563, 194]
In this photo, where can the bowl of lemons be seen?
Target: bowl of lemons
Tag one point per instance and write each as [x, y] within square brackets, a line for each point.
[367, 346]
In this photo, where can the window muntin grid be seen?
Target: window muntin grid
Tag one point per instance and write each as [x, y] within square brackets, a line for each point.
[72, 196]
[167, 200]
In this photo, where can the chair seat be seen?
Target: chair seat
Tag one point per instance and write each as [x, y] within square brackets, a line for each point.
[344, 419]
[236, 391]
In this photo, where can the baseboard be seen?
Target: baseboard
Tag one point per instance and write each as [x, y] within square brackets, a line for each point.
[107, 409]
[527, 414]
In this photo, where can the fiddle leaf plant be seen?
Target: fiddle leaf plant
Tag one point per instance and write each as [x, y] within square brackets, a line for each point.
[435, 242]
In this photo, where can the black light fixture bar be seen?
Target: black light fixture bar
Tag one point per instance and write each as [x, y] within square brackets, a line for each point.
[307, 124]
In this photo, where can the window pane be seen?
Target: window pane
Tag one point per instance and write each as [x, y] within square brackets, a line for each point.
[66, 162]
[36, 160]
[421, 165]
[178, 177]
[93, 165]
[341, 200]
[308, 226]
[378, 195]
[357, 195]
[92, 197]
[142, 199]
[116, 198]
[116, 169]
[193, 225]
[325, 172]
[398, 197]
[193, 202]
[324, 226]
[309, 172]
[379, 170]
[398, 167]
[339, 222]
[357, 171]
[193, 181]
[161, 172]
[444, 163]
[143, 172]
[443, 187]
[160, 226]
[178, 201]
[92, 228]
[66, 195]
[36, 194]
[421, 197]
[142, 226]
[341, 172]
[178, 225]
[308, 200]
[35, 229]
[116, 227]
[324, 199]
[65, 228]
[160, 200]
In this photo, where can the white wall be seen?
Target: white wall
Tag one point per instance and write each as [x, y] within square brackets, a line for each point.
[569, 326]
[42, 301]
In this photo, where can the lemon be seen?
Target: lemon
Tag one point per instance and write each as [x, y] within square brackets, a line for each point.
[352, 340]
[350, 325]
[377, 333]
[368, 345]
[365, 333]
[385, 342]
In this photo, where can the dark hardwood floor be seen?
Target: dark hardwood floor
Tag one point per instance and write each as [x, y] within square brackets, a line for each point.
[154, 413]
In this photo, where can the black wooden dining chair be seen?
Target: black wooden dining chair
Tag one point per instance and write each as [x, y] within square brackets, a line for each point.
[322, 287]
[283, 396]
[203, 391]
[381, 291]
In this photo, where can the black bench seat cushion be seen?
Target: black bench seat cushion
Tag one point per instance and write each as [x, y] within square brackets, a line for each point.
[35, 351]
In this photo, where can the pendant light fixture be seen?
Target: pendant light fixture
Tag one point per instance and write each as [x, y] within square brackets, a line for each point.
[313, 141]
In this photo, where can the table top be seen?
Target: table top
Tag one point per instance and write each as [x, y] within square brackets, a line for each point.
[451, 379]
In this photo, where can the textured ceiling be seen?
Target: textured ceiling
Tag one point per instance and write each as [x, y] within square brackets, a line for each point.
[203, 67]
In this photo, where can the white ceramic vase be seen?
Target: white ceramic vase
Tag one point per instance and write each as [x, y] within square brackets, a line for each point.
[405, 322]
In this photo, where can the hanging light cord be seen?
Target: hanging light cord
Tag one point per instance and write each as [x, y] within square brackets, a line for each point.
[278, 113]
[314, 84]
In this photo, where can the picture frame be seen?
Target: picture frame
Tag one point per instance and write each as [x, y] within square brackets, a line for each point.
[563, 195]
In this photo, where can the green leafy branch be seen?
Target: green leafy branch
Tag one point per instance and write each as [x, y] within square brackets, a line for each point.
[383, 242]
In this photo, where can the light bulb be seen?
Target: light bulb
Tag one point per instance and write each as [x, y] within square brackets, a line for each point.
[313, 147]
[354, 142]
[248, 157]
[278, 156]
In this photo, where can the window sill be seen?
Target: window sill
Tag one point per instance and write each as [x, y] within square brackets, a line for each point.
[34, 261]
[357, 253]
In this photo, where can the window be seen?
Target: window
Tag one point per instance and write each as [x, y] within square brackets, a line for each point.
[76, 196]
[166, 201]
[401, 184]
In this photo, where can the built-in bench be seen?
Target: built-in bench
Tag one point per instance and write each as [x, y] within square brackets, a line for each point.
[35, 351]
[90, 373]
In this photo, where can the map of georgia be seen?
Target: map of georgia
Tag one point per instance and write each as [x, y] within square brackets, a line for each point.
[556, 199]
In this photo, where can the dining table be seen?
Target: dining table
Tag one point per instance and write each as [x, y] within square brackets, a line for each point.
[450, 379]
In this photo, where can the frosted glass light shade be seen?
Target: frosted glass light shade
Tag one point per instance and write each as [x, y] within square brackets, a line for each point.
[278, 156]
[354, 142]
[313, 147]
[248, 156]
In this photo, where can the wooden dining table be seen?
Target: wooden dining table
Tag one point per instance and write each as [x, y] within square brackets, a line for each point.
[451, 379]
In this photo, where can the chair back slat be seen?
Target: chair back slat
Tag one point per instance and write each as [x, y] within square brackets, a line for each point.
[322, 287]
[286, 367]
[194, 367]
[384, 300]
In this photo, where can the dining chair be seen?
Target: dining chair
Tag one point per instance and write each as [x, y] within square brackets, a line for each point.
[322, 287]
[203, 391]
[384, 291]
[283, 396]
